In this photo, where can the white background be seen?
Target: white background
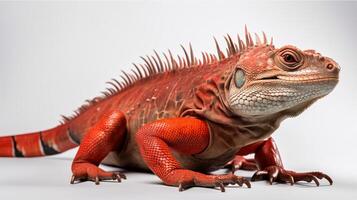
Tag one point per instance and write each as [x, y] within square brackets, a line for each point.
[53, 56]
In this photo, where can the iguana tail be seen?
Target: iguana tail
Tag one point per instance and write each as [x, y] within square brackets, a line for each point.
[42, 143]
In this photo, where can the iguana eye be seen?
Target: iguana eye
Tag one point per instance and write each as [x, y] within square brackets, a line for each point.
[289, 58]
[239, 78]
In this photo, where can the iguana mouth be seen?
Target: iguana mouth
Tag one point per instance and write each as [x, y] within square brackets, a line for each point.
[270, 78]
[300, 79]
[305, 78]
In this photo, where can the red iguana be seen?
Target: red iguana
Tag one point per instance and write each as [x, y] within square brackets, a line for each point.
[181, 118]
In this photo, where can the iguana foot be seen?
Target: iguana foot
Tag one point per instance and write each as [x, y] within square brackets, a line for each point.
[87, 171]
[278, 174]
[187, 179]
[239, 162]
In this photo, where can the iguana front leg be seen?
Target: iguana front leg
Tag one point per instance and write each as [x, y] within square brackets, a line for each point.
[271, 167]
[106, 136]
[185, 135]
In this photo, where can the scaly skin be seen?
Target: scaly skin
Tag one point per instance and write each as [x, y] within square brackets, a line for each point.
[183, 118]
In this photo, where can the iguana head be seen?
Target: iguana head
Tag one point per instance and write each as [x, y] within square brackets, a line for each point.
[266, 80]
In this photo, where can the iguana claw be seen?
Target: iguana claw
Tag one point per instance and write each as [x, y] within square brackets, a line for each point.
[278, 174]
[116, 176]
[86, 171]
[219, 181]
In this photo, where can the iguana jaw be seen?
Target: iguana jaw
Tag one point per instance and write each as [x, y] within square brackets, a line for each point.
[278, 93]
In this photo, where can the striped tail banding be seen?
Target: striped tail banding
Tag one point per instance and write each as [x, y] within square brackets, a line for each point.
[43, 143]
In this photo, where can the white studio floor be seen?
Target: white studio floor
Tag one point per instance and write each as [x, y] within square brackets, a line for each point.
[49, 178]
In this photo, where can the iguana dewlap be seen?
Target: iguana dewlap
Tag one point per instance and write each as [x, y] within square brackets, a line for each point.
[183, 117]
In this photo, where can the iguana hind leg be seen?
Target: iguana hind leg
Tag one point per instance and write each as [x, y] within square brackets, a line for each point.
[271, 167]
[188, 136]
[107, 135]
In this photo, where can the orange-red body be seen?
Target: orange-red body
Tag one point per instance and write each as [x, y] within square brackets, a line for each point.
[174, 119]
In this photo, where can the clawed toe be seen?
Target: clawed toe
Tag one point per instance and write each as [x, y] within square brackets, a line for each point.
[274, 173]
[97, 179]
[73, 178]
[221, 186]
[312, 176]
[120, 175]
[321, 176]
[219, 182]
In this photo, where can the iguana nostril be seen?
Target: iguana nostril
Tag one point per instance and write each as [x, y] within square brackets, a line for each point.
[330, 66]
